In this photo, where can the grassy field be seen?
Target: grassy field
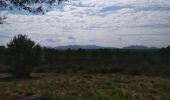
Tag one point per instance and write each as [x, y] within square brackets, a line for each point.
[85, 87]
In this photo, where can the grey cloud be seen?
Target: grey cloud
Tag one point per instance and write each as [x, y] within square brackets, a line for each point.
[77, 3]
[50, 40]
[92, 40]
[147, 34]
[154, 8]
[71, 38]
[53, 40]
[93, 27]
[153, 26]
[114, 8]
[67, 28]
[4, 36]
[119, 38]
[136, 8]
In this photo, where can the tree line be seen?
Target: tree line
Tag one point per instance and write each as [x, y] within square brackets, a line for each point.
[22, 56]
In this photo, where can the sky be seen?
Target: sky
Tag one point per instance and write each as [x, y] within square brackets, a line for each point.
[108, 23]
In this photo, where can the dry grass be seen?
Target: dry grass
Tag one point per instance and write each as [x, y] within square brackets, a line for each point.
[85, 87]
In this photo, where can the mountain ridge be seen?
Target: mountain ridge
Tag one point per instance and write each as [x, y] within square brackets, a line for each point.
[139, 47]
[75, 47]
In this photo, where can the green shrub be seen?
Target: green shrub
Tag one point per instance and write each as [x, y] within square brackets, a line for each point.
[23, 56]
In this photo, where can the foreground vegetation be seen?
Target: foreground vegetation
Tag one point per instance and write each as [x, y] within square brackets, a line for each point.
[85, 87]
[23, 56]
[99, 74]
[130, 62]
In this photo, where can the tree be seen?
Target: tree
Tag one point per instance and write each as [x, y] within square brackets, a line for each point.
[168, 47]
[23, 56]
[27, 4]
[2, 54]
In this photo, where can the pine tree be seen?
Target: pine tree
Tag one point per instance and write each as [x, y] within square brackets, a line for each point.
[23, 56]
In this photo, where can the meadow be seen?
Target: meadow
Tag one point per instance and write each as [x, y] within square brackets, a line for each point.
[100, 74]
[84, 87]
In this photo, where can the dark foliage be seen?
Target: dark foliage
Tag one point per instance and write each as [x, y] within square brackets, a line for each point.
[22, 56]
[25, 5]
[134, 62]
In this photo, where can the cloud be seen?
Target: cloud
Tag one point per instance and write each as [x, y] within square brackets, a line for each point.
[71, 38]
[4, 36]
[50, 40]
[154, 26]
[92, 41]
[154, 8]
[114, 8]
[95, 21]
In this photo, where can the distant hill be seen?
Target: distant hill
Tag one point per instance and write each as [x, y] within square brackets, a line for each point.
[139, 47]
[75, 47]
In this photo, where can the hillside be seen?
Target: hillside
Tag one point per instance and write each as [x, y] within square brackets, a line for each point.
[139, 47]
[75, 47]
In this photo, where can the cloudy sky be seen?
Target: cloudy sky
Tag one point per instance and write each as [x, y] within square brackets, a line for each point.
[109, 23]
